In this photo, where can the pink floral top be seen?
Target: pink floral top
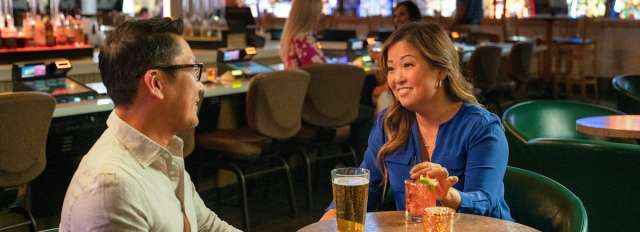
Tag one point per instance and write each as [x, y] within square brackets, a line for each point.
[303, 52]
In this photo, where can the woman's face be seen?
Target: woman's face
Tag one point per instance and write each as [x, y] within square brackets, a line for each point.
[410, 77]
[400, 16]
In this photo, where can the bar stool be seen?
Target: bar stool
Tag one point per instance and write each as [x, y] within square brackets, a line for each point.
[331, 105]
[571, 55]
[569, 67]
[273, 108]
[25, 118]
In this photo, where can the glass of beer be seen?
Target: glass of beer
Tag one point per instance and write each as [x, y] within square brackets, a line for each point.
[350, 192]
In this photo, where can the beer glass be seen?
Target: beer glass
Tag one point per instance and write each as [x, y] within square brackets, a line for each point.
[350, 192]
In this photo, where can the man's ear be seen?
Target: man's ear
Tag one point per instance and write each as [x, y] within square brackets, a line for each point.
[152, 82]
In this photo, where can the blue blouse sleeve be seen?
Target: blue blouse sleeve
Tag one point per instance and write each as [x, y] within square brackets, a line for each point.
[487, 158]
[376, 140]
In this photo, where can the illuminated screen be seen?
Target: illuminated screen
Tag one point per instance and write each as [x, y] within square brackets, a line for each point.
[98, 87]
[337, 60]
[250, 68]
[357, 45]
[231, 55]
[627, 9]
[588, 8]
[29, 71]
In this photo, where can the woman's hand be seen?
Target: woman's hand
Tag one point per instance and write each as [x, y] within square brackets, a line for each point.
[330, 214]
[435, 171]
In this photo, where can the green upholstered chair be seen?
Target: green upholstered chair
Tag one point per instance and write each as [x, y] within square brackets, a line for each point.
[602, 172]
[542, 203]
[628, 92]
[551, 119]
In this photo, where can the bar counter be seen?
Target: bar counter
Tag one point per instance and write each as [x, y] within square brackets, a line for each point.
[266, 55]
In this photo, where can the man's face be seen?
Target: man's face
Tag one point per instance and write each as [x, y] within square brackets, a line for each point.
[183, 92]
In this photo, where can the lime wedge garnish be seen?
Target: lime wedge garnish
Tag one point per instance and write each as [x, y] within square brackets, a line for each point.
[429, 182]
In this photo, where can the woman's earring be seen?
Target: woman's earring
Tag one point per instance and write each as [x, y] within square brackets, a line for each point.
[439, 83]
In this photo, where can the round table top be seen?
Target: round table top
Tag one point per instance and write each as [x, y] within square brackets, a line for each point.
[616, 126]
[394, 221]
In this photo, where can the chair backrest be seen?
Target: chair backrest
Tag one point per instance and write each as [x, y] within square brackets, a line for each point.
[274, 103]
[592, 170]
[540, 202]
[551, 119]
[25, 118]
[478, 36]
[628, 92]
[484, 65]
[520, 61]
[334, 94]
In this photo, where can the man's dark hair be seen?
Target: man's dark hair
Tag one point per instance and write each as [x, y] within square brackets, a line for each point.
[412, 8]
[131, 49]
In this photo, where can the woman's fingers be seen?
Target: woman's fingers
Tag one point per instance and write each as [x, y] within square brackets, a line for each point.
[424, 168]
[438, 173]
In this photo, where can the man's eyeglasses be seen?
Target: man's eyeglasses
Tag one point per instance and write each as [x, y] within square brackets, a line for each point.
[196, 69]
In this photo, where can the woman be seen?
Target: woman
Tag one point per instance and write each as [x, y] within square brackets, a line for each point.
[405, 12]
[435, 128]
[297, 45]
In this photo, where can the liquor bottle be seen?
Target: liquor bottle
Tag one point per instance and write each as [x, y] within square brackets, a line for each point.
[78, 31]
[69, 30]
[48, 32]
[26, 26]
[39, 32]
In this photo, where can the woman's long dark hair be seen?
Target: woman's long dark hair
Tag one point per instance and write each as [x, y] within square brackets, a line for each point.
[414, 11]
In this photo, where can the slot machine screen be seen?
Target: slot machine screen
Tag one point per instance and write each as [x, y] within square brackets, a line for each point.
[35, 70]
[357, 45]
[231, 55]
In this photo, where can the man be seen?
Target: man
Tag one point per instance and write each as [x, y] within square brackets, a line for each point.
[133, 179]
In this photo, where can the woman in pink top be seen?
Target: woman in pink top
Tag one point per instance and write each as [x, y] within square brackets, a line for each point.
[297, 45]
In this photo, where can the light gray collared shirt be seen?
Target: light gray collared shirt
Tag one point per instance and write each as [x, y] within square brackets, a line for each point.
[127, 182]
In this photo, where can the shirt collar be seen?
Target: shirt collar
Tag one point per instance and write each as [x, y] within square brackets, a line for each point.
[141, 147]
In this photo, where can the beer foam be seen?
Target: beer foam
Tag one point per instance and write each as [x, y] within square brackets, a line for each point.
[351, 181]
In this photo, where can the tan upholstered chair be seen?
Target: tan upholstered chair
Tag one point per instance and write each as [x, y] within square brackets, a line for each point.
[330, 107]
[273, 108]
[24, 123]
[484, 70]
[519, 67]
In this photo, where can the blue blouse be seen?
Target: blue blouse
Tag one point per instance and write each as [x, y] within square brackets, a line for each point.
[471, 145]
